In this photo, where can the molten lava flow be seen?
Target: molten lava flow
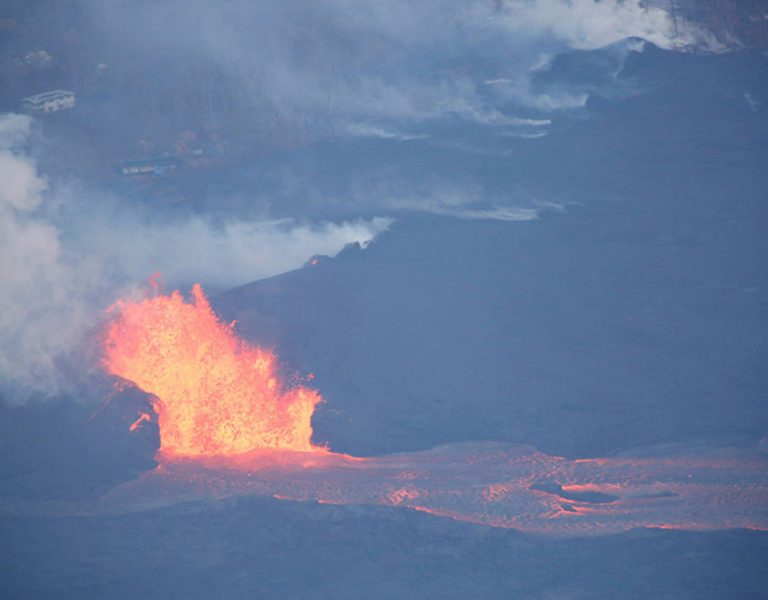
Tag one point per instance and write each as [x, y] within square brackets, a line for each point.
[492, 484]
[217, 395]
[232, 429]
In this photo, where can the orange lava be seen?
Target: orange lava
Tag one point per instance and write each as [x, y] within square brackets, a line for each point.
[230, 427]
[216, 394]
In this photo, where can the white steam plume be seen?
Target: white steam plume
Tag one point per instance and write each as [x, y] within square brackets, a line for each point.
[372, 61]
[43, 292]
[55, 283]
[589, 24]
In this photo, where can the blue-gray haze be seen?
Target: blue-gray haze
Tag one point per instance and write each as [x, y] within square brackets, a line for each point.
[557, 221]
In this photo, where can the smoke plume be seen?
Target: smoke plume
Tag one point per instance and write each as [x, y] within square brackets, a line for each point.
[57, 277]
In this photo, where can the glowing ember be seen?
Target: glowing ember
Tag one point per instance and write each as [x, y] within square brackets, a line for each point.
[142, 417]
[217, 395]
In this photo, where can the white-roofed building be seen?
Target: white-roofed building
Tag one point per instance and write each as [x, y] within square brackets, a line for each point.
[47, 102]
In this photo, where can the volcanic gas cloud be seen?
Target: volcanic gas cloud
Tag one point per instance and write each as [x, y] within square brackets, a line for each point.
[216, 394]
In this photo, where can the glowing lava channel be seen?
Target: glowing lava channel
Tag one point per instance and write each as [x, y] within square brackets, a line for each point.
[216, 394]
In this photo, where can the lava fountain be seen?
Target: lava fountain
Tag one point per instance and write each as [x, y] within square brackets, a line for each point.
[216, 394]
